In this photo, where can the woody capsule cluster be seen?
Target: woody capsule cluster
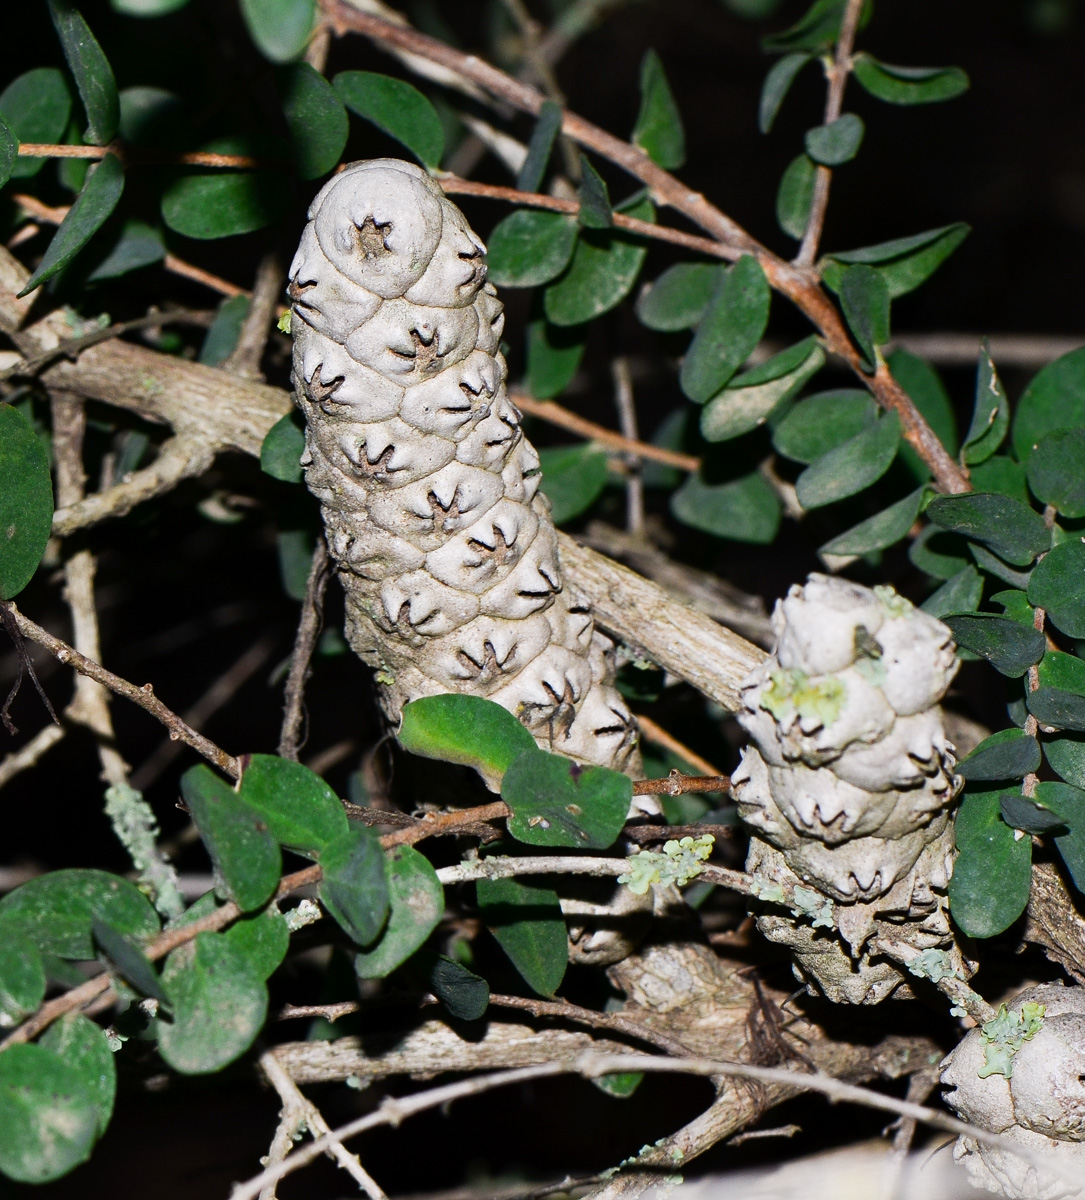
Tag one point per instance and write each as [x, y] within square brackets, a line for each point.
[847, 785]
[429, 490]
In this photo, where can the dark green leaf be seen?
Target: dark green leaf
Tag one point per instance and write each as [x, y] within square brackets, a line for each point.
[26, 501]
[127, 959]
[881, 530]
[751, 398]
[729, 331]
[1006, 645]
[526, 920]
[397, 109]
[819, 423]
[83, 1047]
[151, 115]
[851, 467]
[355, 884]
[225, 330]
[604, 267]
[816, 29]
[620, 1086]
[295, 547]
[465, 994]
[941, 555]
[553, 357]
[558, 802]
[836, 143]
[795, 196]
[138, 245]
[743, 510]
[86, 216]
[1069, 803]
[539, 147]
[464, 729]
[282, 448]
[960, 594]
[992, 876]
[1062, 671]
[1055, 399]
[1015, 605]
[1020, 812]
[317, 119]
[22, 975]
[219, 1003]
[1057, 707]
[776, 86]
[222, 203]
[928, 393]
[48, 1115]
[1011, 529]
[594, 199]
[1008, 754]
[679, 297]
[573, 478]
[659, 131]
[298, 807]
[280, 28]
[56, 910]
[9, 151]
[1056, 585]
[36, 107]
[864, 298]
[991, 414]
[908, 85]
[416, 903]
[91, 71]
[993, 565]
[1056, 471]
[530, 247]
[244, 854]
[1001, 474]
[1066, 754]
[261, 939]
[903, 263]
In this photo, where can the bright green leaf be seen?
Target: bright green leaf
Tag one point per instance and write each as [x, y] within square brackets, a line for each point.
[959, 594]
[992, 875]
[1069, 803]
[9, 151]
[91, 71]
[543, 136]
[530, 247]
[397, 109]
[282, 448]
[1011, 529]
[261, 939]
[743, 510]
[1008, 754]
[819, 423]
[795, 196]
[573, 478]
[557, 802]
[526, 920]
[298, 807]
[83, 1047]
[880, 531]
[852, 466]
[1056, 471]
[1058, 585]
[1006, 645]
[22, 975]
[26, 501]
[751, 398]
[679, 297]
[416, 903]
[280, 28]
[838, 142]
[36, 106]
[659, 131]
[354, 888]
[316, 117]
[464, 729]
[553, 357]
[217, 203]
[776, 86]
[908, 85]
[1061, 670]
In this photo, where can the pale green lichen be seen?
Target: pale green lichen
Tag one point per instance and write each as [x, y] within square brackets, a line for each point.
[808, 903]
[283, 324]
[793, 693]
[934, 965]
[136, 827]
[872, 670]
[1005, 1034]
[677, 863]
[771, 893]
[892, 602]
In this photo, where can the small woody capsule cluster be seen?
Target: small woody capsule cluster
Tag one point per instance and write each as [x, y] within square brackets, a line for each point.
[1022, 1075]
[847, 785]
[429, 490]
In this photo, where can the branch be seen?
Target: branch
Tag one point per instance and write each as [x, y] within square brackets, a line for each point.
[267, 291]
[187, 158]
[309, 625]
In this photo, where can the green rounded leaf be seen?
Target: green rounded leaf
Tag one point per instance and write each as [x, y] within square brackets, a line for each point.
[22, 975]
[298, 807]
[1061, 670]
[56, 911]
[941, 555]
[1029, 815]
[601, 273]
[573, 479]
[908, 85]
[464, 729]
[1011, 529]
[836, 143]
[928, 393]
[147, 8]
[1008, 754]
[776, 86]
[262, 939]
[525, 919]
[1056, 471]
[280, 28]
[138, 245]
[729, 331]
[864, 298]
[26, 501]
[316, 117]
[1057, 707]
[992, 875]
[282, 448]
[416, 902]
[959, 594]
[219, 1004]
[1008, 646]
[796, 195]
[679, 297]
[553, 357]
[851, 467]
[904, 263]
[93, 206]
[244, 854]
[1069, 803]
[84, 1048]
[743, 510]
[530, 247]
[817, 29]
[48, 1115]
[1001, 474]
[1055, 399]
[659, 131]
[821, 422]
[9, 151]
[225, 331]
[1058, 585]
[354, 887]
[36, 106]
[222, 203]
[881, 530]
[750, 399]
[91, 71]
[397, 109]
[558, 802]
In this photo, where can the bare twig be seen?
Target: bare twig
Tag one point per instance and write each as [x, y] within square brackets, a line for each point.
[615, 1022]
[658, 735]
[186, 158]
[834, 101]
[677, 784]
[244, 359]
[627, 421]
[30, 755]
[441, 824]
[309, 625]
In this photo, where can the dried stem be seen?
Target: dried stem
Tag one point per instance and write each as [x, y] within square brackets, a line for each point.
[309, 625]
[267, 291]
[660, 737]
[838, 74]
[677, 784]
[188, 158]
[627, 421]
[30, 755]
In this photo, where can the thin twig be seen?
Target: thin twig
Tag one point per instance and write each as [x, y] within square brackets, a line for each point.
[627, 422]
[659, 736]
[244, 359]
[30, 755]
[442, 824]
[615, 1022]
[309, 626]
[677, 784]
[834, 102]
[644, 835]
[187, 158]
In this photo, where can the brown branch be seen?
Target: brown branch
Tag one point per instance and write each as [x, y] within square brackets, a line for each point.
[645, 835]
[799, 284]
[547, 410]
[677, 784]
[834, 102]
[309, 626]
[442, 824]
[267, 292]
[189, 158]
[660, 737]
